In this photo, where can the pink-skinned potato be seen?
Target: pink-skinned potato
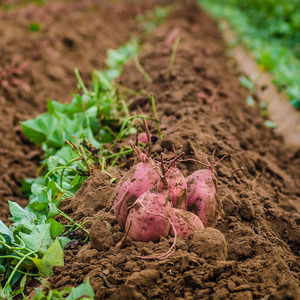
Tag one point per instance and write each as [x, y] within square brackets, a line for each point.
[185, 222]
[201, 198]
[177, 188]
[141, 178]
[148, 219]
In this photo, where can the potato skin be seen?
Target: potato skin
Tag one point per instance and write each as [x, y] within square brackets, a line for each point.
[177, 188]
[138, 180]
[148, 219]
[201, 199]
[185, 222]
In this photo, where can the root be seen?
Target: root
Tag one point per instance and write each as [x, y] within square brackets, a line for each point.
[171, 249]
[121, 244]
[209, 165]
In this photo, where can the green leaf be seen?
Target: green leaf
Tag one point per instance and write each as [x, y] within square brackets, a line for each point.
[247, 83]
[54, 256]
[27, 185]
[18, 213]
[56, 139]
[250, 101]
[56, 228]
[39, 294]
[34, 26]
[39, 128]
[39, 239]
[4, 230]
[83, 290]
[270, 124]
[54, 107]
[53, 211]
[63, 240]
[25, 226]
[2, 269]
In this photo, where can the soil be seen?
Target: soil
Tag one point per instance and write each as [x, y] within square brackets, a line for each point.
[253, 251]
[37, 66]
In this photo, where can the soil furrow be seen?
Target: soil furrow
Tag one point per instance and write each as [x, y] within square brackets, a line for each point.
[203, 111]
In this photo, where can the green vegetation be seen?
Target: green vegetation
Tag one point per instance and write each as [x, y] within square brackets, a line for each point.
[34, 26]
[83, 291]
[73, 137]
[153, 18]
[8, 5]
[271, 31]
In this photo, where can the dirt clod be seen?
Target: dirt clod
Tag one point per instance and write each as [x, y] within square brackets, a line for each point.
[209, 243]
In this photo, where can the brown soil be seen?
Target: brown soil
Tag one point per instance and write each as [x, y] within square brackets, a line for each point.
[35, 67]
[253, 251]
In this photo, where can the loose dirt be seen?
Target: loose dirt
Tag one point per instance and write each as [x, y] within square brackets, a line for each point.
[253, 251]
[37, 66]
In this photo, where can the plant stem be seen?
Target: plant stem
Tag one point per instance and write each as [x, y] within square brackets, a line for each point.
[55, 169]
[16, 267]
[151, 97]
[71, 220]
[24, 273]
[141, 69]
[122, 130]
[80, 82]
[119, 154]
[173, 55]
[62, 173]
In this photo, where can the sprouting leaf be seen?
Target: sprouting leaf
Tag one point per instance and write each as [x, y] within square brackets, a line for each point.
[34, 26]
[54, 256]
[247, 83]
[83, 290]
[250, 101]
[270, 124]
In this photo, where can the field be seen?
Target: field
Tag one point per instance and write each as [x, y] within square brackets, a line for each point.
[200, 108]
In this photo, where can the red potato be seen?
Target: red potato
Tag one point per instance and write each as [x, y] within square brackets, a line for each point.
[142, 137]
[201, 196]
[177, 188]
[185, 222]
[148, 218]
[140, 179]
